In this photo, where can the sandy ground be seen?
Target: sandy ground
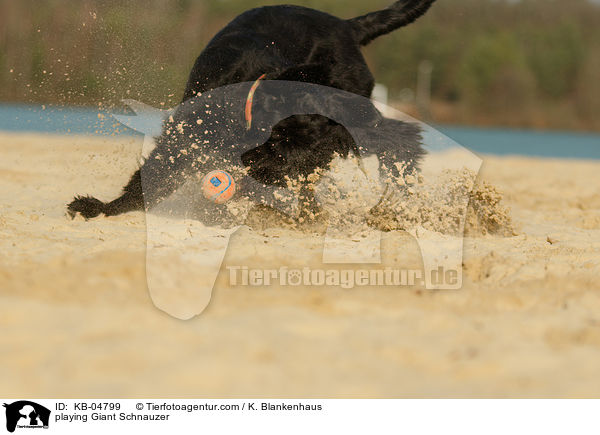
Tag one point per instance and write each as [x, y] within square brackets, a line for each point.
[77, 319]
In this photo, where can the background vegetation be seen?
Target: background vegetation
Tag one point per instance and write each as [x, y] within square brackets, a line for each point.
[525, 63]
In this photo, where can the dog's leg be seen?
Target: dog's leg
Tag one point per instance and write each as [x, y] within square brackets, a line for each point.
[89, 207]
[158, 178]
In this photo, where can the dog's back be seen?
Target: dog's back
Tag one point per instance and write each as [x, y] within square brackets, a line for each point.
[272, 38]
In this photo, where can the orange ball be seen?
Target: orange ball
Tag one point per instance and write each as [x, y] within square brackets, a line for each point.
[218, 186]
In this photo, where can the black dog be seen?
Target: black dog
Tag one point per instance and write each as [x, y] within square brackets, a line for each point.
[286, 44]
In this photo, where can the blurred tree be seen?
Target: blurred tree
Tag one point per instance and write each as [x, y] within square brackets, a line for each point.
[494, 73]
[491, 58]
[556, 56]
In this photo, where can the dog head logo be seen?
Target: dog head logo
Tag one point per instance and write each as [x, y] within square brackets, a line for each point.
[26, 414]
[210, 133]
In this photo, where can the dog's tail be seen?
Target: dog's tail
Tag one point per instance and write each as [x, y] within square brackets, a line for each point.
[403, 12]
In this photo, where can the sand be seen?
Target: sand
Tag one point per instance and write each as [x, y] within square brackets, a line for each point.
[78, 321]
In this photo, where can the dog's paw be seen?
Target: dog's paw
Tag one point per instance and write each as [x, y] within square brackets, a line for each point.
[86, 206]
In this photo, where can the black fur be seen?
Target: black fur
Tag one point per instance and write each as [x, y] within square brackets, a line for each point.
[287, 43]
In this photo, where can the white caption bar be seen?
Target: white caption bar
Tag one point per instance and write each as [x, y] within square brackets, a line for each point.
[249, 416]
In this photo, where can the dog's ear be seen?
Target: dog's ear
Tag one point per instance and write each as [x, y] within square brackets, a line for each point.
[307, 73]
